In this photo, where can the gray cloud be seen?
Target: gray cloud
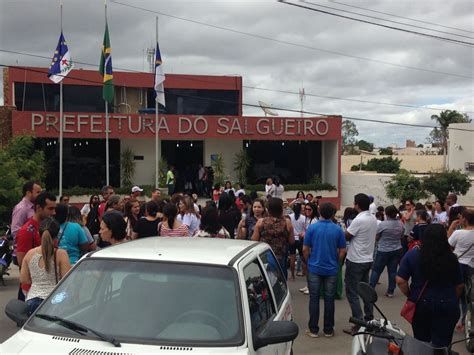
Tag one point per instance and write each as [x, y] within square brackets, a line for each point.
[33, 26]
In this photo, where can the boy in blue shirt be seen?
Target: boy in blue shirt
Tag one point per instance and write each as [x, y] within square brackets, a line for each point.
[324, 247]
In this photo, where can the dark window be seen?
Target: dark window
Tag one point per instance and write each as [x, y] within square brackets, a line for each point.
[275, 276]
[83, 162]
[294, 162]
[198, 101]
[259, 296]
[45, 97]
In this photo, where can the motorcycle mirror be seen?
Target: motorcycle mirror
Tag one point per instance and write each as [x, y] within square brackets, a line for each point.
[367, 293]
[16, 310]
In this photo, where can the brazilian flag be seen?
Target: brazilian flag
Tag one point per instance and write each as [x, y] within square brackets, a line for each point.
[105, 68]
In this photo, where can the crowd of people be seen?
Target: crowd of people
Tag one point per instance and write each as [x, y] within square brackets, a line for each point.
[426, 248]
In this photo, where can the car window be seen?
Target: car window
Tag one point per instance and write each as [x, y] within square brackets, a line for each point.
[259, 296]
[275, 276]
[173, 303]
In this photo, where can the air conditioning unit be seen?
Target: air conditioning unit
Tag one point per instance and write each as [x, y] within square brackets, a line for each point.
[469, 166]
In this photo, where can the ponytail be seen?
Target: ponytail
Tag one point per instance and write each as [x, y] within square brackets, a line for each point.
[47, 250]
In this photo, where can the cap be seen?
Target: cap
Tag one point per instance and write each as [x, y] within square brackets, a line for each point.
[136, 188]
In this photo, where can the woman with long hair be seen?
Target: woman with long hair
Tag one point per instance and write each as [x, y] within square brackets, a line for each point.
[229, 215]
[210, 226]
[276, 231]
[298, 222]
[269, 188]
[171, 226]
[436, 284]
[311, 214]
[44, 266]
[113, 204]
[113, 228]
[147, 226]
[440, 216]
[74, 215]
[187, 214]
[300, 198]
[132, 211]
[90, 215]
[246, 226]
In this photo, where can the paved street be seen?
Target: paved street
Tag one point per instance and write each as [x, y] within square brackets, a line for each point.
[339, 344]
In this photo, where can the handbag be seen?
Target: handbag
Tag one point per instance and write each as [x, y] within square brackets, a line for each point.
[409, 308]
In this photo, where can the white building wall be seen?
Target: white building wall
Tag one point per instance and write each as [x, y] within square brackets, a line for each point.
[227, 149]
[373, 184]
[144, 169]
[461, 146]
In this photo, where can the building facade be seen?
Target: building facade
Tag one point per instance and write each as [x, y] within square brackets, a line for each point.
[202, 119]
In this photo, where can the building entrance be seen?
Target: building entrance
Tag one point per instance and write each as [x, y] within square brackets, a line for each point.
[185, 156]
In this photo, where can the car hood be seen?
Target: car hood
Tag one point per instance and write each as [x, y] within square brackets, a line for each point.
[26, 342]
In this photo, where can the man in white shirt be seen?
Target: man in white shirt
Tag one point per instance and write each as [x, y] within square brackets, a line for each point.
[361, 234]
[372, 206]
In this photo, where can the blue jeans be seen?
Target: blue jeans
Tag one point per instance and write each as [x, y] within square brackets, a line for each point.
[32, 304]
[355, 273]
[315, 282]
[389, 259]
[434, 321]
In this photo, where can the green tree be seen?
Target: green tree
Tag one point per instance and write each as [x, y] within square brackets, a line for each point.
[19, 162]
[219, 169]
[439, 137]
[441, 184]
[386, 165]
[241, 165]
[127, 165]
[404, 186]
[386, 151]
[364, 145]
[349, 134]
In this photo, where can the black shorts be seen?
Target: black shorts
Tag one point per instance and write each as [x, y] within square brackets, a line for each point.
[297, 246]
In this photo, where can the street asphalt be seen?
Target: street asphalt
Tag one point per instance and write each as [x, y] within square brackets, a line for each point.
[339, 344]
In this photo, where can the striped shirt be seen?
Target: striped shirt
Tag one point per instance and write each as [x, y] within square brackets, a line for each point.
[181, 231]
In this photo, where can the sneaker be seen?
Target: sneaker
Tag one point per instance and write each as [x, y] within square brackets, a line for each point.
[351, 330]
[306, 292]
[304, 289]
[310, 334]
[330, 334]
[389, 295]
[299, 273]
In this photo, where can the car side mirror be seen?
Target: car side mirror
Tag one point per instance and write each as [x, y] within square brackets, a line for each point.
[367, 293]
[17, 311]
[276, 332]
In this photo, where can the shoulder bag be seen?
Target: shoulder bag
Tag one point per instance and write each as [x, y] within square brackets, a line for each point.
[409, 308]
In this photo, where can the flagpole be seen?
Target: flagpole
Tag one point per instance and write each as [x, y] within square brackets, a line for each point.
[157, 147]
[61, 125]
[107, 172]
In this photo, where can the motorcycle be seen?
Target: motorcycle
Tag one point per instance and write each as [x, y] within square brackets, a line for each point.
[6, 252]
[381, 336]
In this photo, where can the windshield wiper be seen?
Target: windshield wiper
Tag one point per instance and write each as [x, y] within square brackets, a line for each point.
[79, 328]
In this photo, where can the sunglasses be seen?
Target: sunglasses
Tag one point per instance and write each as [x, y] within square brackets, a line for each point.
[308, 209]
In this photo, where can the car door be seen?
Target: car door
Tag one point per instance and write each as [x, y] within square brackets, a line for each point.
[259, 304]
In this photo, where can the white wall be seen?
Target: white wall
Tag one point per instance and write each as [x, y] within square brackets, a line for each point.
[461, 146]
[144, 169]
[330, 162]
[373, 184]
[227, 149]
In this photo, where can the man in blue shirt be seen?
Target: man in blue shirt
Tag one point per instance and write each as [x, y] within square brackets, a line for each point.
[324, 247]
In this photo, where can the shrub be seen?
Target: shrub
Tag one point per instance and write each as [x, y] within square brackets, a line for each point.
[440, 184]
[387, 165]
[404, 186]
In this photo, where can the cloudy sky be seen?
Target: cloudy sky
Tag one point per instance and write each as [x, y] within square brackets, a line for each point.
[277, 47]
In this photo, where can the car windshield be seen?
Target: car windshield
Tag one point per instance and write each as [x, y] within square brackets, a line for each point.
[148, 302]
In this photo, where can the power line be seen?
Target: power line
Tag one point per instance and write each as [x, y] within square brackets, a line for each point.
[402, 17]
[387, 20]
[291, 43]
[260, 88]
[450, 40]
[258, 106]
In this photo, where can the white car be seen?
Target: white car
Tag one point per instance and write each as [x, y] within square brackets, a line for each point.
[163, 296]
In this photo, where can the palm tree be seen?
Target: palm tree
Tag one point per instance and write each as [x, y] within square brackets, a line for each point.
[444, 119]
